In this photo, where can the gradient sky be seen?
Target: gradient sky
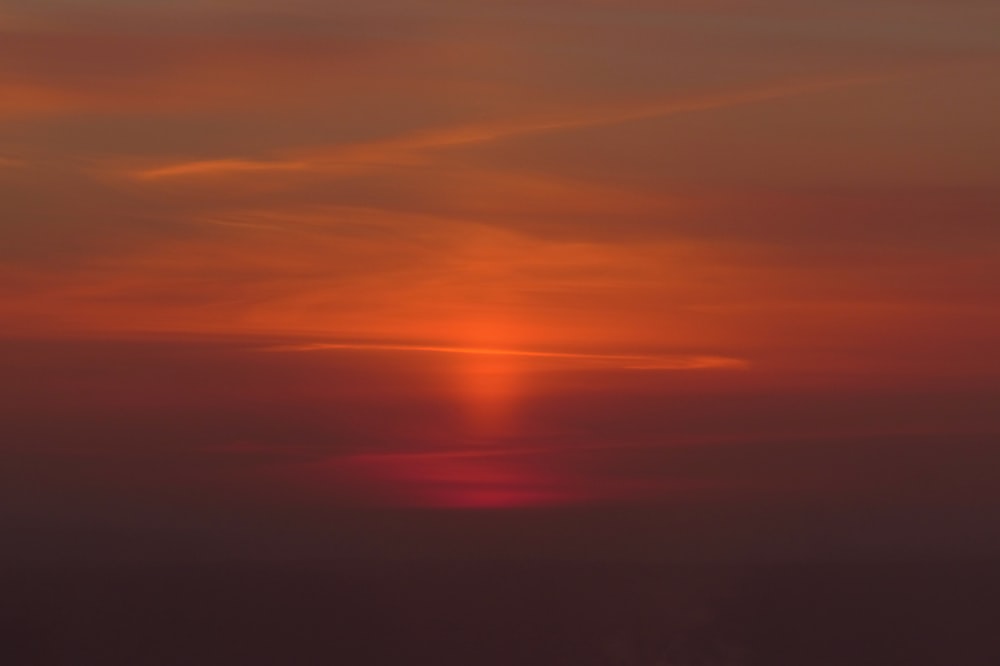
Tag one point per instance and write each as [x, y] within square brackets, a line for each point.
[534, 277]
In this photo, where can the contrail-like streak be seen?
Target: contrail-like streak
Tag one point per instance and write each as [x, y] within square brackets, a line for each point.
[627, 361]
[408, 148]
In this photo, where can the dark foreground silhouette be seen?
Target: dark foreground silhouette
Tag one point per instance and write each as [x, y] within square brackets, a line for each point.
[484, 614]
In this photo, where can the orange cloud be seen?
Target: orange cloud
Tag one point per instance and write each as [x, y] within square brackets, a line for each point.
[364, 273]
[444, 285]
[213, 167]
[626, 361]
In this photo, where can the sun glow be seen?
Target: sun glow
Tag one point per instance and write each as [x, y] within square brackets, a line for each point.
[489, 387]
[488, 381]
[480, 462]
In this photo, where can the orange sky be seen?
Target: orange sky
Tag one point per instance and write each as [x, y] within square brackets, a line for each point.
[769, 195]
[585, 175]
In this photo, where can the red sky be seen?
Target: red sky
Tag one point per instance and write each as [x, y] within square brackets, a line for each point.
[309, 259]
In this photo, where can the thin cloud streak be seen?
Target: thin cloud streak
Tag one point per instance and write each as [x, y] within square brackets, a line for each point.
[625, 361]
[209, 167]
[408, 149]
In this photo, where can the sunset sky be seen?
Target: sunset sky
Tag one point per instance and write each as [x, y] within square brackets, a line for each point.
[560, 277]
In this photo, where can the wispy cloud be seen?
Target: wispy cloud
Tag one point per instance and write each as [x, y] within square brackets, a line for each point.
[412, 148]
[211, 167]
[624, 361]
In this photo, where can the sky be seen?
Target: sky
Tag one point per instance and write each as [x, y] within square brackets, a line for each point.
[561, 278]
